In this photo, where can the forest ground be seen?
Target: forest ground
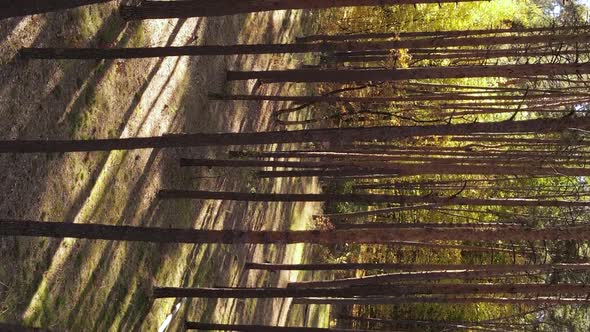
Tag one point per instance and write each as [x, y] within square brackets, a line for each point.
[81, 285]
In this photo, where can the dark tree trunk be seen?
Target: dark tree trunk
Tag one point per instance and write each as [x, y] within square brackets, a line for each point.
[152, 52]
[445, 34]
[402, 74]
[361, 198]
[373, 290]
[13, 8]
[174, 235]
[421, 276]
[297, 136]
[262, 328]
[19, 328]
[407, 169]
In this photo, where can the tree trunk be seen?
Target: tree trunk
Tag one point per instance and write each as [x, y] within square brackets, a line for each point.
[174, 235]
[536, 301]
[29, 7]
[407, 323]
[434, 168]
[477, 273]
[373, 290]
[364, 199]
[394, 225]
[297, 136]
[185, 9]
[414, 267]
[202, 50]
[19, 328]
[402, 74]
[361, 198]
[380, 99]
[346, 216]
[445, 34]
[472, 164]
[262, 328]
[439, 246]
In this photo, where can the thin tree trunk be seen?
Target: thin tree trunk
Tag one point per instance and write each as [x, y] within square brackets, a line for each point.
[522, 141]
[360, 198]
[262, 328]
[402, 74]
[433, 168]
[371, 153]
[19, 328]
[438, 246]
[444, 300]
[408, 323]
[413, 267]
[16, 8]
[297, 136]
[381, 99]
[346, 216]
[174, 235]
[204, 50]
[372, 290]
[394, 225]
[185, 9]
[446, 34]
[472, 163]
[477, 273]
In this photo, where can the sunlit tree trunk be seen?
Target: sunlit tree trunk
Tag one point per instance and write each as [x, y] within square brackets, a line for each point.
[507, 268]
[536, 301]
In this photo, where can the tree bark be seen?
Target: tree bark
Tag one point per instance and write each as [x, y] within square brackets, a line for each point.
[262, 328]
[204, 50]
[477, 273]
[414, 267]
[537, 301]
[402, 74]
[362, 198]
[380, 99]
[19, 328]
[372, 290]
[29, 7]
[433, 168]
[175, 235]
[345, 216]
[296, 136]
[470, 163]
[444, 33]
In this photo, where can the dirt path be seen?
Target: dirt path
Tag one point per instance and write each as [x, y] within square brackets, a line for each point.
[97, 285]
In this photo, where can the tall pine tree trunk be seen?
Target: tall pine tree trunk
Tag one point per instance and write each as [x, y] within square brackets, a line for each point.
[173, 235]
[13, 8]
[296, 136]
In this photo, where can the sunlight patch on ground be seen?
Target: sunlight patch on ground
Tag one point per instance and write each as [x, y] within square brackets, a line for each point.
[149, 119]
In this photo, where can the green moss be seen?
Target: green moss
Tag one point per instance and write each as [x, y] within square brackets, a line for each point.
[88, 21]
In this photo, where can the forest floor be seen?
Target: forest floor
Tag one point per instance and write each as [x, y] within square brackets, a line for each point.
[81, 285]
